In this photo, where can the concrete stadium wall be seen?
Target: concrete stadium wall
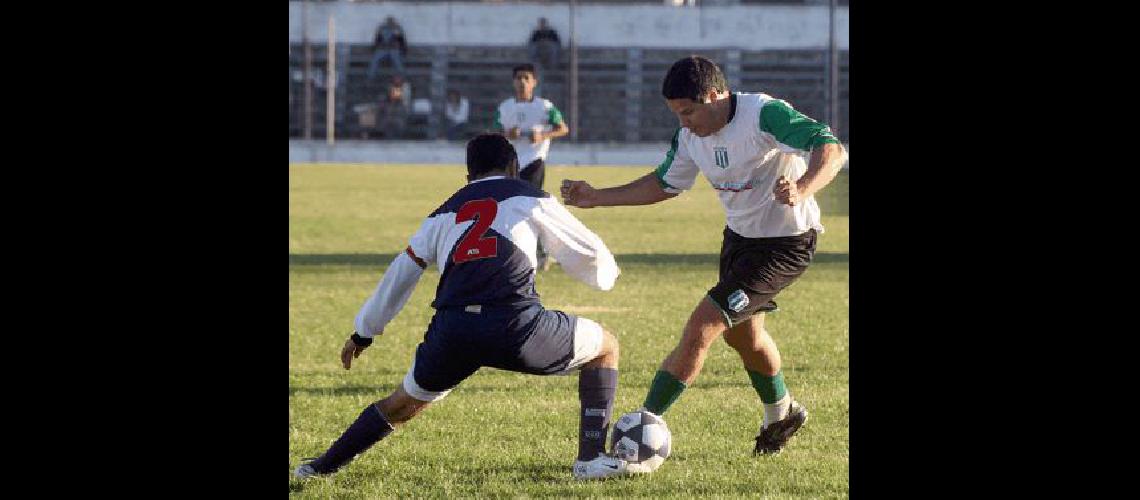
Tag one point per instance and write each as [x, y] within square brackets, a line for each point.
[743, 27]
[431, 152]
[645, 154]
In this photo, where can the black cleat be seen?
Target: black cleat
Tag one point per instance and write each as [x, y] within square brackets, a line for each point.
[773, 438]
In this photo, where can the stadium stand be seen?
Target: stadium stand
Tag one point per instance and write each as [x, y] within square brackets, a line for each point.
[619, 88]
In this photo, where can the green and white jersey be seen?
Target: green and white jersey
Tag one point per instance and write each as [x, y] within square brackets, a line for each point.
[764, 139]
[538, 113]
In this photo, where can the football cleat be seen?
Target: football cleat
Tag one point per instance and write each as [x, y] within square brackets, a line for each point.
[772, 438]
[600, 468]
[304, 471]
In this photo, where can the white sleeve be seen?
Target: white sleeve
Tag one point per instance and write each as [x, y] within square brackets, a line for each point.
[399, 280]
[505, 117]
[678, 172]
[579, 251]
[391, 294]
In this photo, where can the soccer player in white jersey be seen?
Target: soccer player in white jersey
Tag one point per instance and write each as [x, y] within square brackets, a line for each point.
[530, 122]
[487, 310]
[752, 149]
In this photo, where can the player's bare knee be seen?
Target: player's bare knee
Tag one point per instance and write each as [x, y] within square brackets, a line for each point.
[738, 342]
[608, 353]
[610, 345]
[698, 339]
[399, 408]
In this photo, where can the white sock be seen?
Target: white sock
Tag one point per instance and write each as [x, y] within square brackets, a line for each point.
[777, 411]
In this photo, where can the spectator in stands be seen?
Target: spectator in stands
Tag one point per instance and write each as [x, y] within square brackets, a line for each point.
[456, 111]
[392, 113]
[389, 43]
[544, 46]
[405, 89]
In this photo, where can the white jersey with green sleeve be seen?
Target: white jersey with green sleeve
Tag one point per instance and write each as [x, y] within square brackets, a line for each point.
[764, 139]
[528, 115]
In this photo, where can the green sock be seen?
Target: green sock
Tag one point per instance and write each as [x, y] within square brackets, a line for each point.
[771, 389]
[664, 390]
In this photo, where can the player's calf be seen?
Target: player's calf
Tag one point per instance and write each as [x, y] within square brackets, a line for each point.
[597, 387]
[375, 423]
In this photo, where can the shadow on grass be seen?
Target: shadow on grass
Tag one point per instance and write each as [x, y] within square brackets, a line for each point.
[382, 390]
[368, 259]
[347, 390]
[533, 472]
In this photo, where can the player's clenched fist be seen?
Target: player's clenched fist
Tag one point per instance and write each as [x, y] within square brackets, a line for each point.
[786, 192]
[578, 193]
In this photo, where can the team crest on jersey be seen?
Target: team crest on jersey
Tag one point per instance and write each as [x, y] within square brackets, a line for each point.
[737, 301]
[721, 155]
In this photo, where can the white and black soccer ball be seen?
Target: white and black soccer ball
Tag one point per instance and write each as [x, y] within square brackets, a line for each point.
[642, 439]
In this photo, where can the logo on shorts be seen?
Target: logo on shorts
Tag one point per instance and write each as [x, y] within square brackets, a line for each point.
[721, 154]
[737, 301]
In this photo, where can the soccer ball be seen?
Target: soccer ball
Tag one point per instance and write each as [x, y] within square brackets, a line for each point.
[642, 439]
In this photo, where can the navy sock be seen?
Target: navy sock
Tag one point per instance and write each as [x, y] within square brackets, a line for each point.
[369, 427]
[596, 390]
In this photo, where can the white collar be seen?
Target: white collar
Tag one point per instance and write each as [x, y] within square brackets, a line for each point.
[488, 178]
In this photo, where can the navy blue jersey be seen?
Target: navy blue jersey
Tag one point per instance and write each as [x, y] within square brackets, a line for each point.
[484, 265]
[484, 241]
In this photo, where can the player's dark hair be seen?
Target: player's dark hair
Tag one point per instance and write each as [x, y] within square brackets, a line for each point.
[488, 152]
[693, 77]
[524, 67]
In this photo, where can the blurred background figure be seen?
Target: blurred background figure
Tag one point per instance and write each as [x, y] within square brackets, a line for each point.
[392, 113]
[405, 89]
[456, 112]
[388, 44]
[544, 47]
[366, 118]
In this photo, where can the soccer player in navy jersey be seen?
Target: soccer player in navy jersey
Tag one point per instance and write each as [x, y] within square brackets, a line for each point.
[483, 239]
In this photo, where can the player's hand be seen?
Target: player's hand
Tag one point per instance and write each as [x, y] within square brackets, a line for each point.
[513, 133]
[579, 194]
[787, 192]
[537, 137]
[350, 352]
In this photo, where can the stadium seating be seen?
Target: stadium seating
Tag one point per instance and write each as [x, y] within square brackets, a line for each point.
[618, 88]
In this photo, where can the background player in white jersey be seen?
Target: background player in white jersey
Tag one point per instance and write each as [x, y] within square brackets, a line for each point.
[530, 122]
[487, 311]
[751, 148]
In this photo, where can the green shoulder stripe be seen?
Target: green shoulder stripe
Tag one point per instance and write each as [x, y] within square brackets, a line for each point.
[792, 127]
[555, 116]
[664, 167]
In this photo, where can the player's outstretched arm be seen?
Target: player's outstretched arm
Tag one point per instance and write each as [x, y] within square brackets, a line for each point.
[560, 130]
[646, 190]
[389, 298]
[826, 162]
[580, 252]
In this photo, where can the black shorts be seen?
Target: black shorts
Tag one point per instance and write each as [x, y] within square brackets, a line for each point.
[534, 173]
[754, 270]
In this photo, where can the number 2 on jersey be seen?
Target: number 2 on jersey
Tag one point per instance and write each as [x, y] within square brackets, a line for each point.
[474, 246]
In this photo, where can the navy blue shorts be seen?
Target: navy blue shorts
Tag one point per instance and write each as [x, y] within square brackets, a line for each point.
[527, 339]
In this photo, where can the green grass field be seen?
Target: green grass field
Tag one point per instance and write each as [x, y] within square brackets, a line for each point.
[502, 434]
